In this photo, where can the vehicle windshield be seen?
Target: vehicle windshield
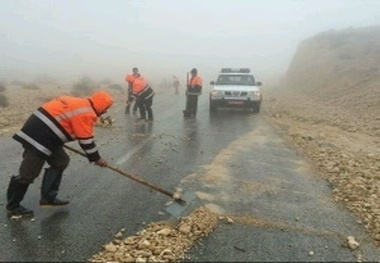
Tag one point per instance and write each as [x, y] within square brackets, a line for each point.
[244, 80]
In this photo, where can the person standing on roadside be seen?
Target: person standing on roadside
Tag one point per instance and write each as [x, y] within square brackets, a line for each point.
[130, 79]
[43, 136]
[194, 89]
[144, 94]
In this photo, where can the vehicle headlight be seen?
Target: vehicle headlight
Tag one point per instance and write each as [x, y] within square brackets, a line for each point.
[255, 94]
[216, 93]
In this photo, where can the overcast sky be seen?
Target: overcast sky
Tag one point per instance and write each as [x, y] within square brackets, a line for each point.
[106, 38]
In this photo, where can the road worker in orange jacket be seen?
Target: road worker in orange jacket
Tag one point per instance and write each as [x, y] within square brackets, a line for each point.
[194, 89]
[130, 78]
[43, 135]
[144, 97]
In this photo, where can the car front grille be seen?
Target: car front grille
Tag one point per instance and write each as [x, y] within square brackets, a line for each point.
[235, 93]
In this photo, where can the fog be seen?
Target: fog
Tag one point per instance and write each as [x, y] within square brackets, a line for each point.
[105, 39]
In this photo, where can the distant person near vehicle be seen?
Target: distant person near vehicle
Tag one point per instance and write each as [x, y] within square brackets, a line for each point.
[175, 84]
[194, 89]
[43, 135]
[129, 78]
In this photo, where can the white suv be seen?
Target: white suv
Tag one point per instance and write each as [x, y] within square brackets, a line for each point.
[236, 88]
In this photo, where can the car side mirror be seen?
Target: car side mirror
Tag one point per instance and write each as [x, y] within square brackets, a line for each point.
[259, 84]
[212, 83]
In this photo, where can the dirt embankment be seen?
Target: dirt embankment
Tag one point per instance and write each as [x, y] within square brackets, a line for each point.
[339, 73]
[328, 104]
[22, 102]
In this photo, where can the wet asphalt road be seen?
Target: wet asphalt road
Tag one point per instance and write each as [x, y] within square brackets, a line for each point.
[235, 160]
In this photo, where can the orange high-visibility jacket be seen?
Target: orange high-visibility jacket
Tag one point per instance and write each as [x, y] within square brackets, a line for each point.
[141, 89]
[194, 86]
[130, 78]
[139, 84]
[64, 119]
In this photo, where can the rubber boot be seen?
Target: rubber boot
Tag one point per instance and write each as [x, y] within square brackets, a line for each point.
[15, 194]
[49, 189]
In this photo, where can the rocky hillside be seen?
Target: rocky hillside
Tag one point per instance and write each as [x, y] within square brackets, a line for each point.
[328, 105]
[336, 60]
[340, 72]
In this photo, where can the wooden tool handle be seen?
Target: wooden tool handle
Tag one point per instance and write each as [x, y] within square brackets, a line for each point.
[130, 176]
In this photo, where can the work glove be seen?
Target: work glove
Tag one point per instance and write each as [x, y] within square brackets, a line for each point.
[101, 162]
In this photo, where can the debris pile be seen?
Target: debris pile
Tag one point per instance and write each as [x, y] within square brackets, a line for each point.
[159, 242]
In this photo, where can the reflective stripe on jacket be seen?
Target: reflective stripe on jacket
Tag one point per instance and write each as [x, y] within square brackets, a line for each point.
[64, 119]
[141, 89]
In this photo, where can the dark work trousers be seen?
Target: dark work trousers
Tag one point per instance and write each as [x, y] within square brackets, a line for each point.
[191, 104]
[134, 108]
[145, 106]
[140, 105]
[32, 164]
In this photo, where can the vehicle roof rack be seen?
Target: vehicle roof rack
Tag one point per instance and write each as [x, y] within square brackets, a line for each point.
[235, 70]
